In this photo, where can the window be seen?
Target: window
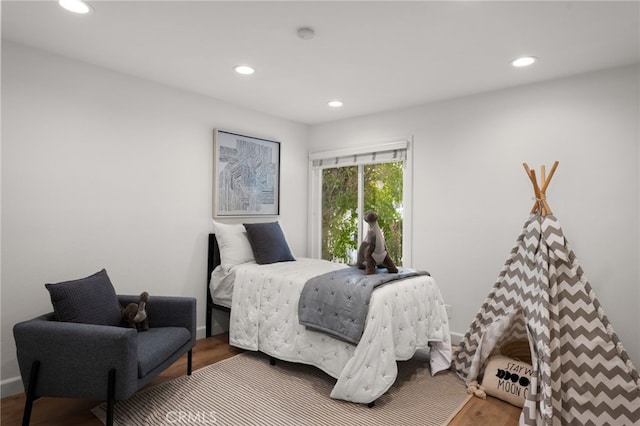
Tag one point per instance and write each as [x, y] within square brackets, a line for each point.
[347, 183]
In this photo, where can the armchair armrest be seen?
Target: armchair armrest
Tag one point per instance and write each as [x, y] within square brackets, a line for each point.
[67, 351]
[168, 311]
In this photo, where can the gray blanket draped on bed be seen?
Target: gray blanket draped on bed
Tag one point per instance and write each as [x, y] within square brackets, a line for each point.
[337, 302]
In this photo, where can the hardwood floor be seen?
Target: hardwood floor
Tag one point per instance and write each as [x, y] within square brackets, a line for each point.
[77, 412]
[489, 412]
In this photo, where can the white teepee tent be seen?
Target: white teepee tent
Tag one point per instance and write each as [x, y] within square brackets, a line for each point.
[581, 373]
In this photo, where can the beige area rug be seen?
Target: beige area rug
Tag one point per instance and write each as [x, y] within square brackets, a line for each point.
[246, 390]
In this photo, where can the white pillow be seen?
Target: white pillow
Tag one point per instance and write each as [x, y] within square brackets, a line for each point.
[507, 379]
[233, 244]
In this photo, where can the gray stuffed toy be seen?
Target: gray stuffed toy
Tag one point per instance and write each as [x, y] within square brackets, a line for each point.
[135, 314]
[373, 250]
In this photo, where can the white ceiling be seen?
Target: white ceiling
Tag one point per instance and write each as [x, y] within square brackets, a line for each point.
[373, 55]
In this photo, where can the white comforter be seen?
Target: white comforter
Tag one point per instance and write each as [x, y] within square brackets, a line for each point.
[403, 317]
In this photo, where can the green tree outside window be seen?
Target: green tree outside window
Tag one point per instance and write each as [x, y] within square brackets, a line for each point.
[382, 191]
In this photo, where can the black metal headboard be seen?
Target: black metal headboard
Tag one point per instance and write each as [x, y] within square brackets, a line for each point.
[214, 255]
[213, 260]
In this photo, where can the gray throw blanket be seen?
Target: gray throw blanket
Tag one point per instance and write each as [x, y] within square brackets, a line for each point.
[337, 302]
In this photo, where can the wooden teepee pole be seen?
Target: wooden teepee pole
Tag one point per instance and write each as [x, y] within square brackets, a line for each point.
[541, 206]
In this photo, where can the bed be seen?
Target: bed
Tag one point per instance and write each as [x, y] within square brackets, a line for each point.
[403, 317]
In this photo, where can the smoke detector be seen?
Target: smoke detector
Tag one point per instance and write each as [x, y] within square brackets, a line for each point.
[306, 33]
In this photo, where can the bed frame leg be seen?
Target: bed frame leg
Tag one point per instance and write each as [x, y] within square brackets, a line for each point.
[272, 360]
[371, 404]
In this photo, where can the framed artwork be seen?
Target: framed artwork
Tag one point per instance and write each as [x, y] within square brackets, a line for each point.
[246, 175]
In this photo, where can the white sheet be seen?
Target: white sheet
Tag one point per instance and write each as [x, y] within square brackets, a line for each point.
[221, 286]
[403, 317]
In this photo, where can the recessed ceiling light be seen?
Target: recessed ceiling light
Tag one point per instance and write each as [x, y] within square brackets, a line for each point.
[524, 61]
[335, 104]
[244, 69]
[75, 6]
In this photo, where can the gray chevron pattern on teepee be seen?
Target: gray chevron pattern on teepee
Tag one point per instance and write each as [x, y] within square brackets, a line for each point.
[581, 373]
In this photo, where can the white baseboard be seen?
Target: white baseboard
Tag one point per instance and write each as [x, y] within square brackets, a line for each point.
[456, 338]
[201, 332]
[11, 386]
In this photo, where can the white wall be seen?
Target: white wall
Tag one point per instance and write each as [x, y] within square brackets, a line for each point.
[103, 170]
[100, 169]
[471, 194]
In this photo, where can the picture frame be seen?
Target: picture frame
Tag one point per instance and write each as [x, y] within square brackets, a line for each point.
[246, 175]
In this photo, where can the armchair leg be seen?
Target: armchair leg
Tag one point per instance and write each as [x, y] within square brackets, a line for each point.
[111, 396]
[189, 363]
[31, 392]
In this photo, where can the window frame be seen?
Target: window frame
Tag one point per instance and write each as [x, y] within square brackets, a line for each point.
[314, 237]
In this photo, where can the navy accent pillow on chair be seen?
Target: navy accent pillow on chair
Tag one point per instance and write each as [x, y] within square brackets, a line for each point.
[268, 243]
[90, 300]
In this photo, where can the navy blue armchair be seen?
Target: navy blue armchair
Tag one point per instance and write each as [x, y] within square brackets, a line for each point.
[74, 360]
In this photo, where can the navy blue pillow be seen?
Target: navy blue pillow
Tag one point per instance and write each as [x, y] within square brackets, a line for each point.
[268, 243]
[90, 300]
